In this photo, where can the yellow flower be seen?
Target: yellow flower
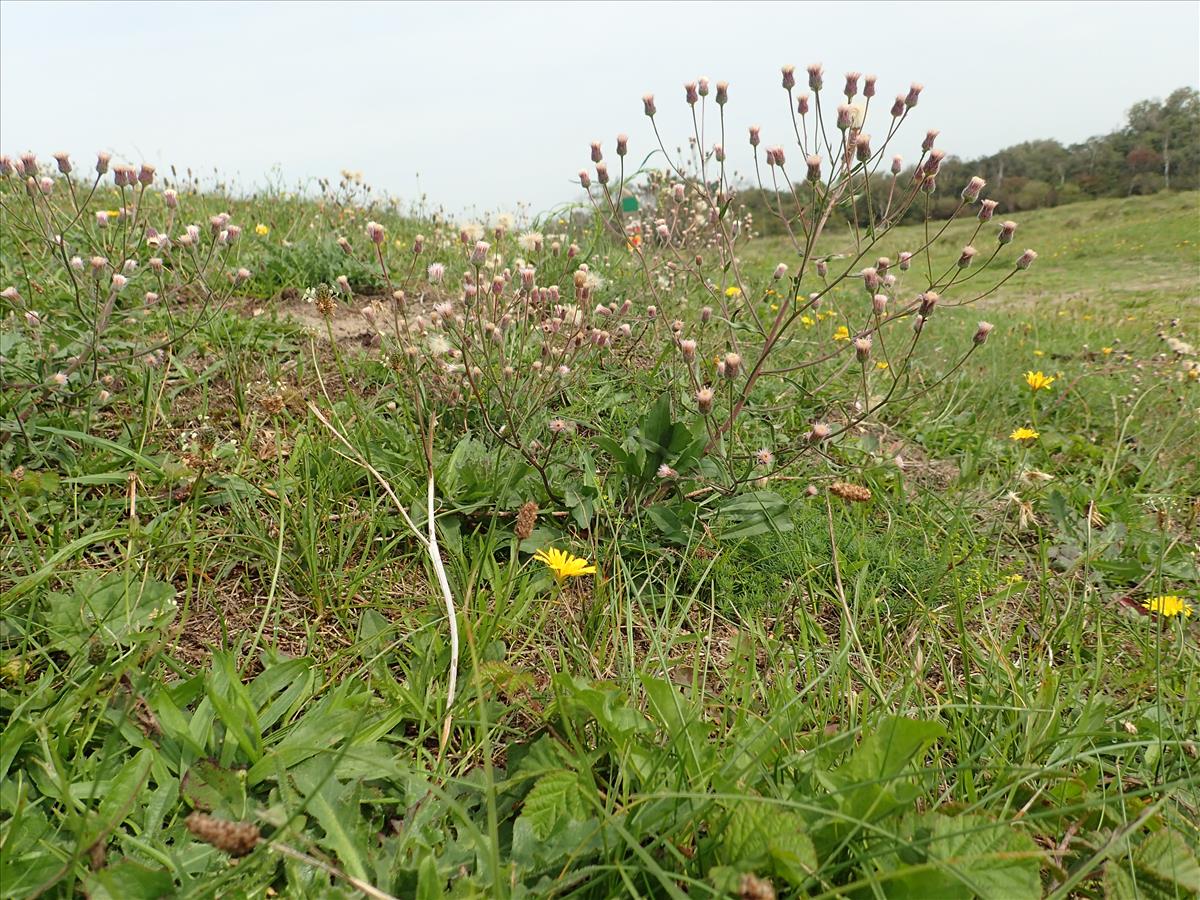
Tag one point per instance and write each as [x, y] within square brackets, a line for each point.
[1014, 578]
[262, 230]
[564, 564]
[1168, 605]
[1039, 352]
[1106, 350]
[881, 365]
[113, 213]
[1037, 381]
[1024, 434]
[733, 291]
[842, 334]
[807, 321]
[774, 307]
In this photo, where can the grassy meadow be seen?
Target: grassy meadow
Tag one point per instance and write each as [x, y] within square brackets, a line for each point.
[224, 656]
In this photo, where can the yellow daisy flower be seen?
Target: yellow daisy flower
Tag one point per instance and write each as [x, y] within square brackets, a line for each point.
[262, 230]
[842, 334]
[881, 365]
[564, 564]
[1038, 381]
[733, 291]
[1168, 605]
[1024, 434]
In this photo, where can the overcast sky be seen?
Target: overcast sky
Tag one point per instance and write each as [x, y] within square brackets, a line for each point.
[490, 105]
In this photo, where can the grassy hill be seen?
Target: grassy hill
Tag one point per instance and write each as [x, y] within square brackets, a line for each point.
[214, 613]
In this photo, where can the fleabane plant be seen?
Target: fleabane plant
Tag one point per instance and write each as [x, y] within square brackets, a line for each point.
[113, 252]
[832, 328]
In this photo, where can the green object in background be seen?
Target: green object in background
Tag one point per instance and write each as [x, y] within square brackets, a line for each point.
[629, 204]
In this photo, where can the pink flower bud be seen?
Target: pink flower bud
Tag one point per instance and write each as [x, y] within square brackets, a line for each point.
[648, 102]
[718, 153]
[375, 232]
[663, 231]
[933, 163]
[193, 233]
[789, 77]
[704, 400]
[964, 258]
[666, 472]
[436, 272]
[479, 252]
[898, 108]
[733, 365]
[101, 219]
[59, 379]
[845, 116]
[170, 198]
[929, 300]
[119, 281]
[77, 263]
[32, 319]
[602, 172]
[982, 332]
[802, 104]
[914, 92]
[897, 165]
[243, 274]
[64, 163]
[585, 180]
[1026, 259]
[706, 315]
[851, 84]
[145, 174]
[702, 86]
[46, 184]
[688, 349]
[815, 77]
[156, 263]
[819, 432]
[822, 268]
[779, 158]
[6, 166]
[129, 267]
[879, 304]
[691, 93]
[343, 284]
[722, 92]
[11, 294]
[596, 154]
[1007, 230]
[677, 193]
[986, 209]
[870, 277]
[102, 160]
[98, 264]
[754, 137]
[527, 275]
[869, 86]
[29, 164]
[780, 271]
[622, 144]
[418, 244]
[814, 167]
[974, 187]
[930, 137]
[652, 312]
[151, 298]
[862, 147]
[862, 349]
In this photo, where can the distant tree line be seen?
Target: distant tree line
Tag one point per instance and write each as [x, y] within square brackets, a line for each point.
[1158, 148]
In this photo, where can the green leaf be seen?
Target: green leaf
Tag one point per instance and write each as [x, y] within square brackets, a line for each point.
[1166, 855]
[754, 514]
[430, 885]
[128, 880]
[556, 795]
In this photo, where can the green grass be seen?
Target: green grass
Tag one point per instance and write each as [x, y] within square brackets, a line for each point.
[948, 691]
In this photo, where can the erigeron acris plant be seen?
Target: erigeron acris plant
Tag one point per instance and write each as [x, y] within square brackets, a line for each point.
[754, 334]
[115, 254]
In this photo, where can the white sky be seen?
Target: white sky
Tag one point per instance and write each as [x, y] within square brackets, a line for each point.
[494, 104]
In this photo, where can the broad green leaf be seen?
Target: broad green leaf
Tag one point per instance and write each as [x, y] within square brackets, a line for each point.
[556, 796]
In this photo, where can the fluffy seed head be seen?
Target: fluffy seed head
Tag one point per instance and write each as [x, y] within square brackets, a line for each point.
[974, 187]
[982, 332]
[862, 349]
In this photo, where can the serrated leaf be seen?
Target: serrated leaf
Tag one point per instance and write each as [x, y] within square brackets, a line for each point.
[128, 880]
[556, 795]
